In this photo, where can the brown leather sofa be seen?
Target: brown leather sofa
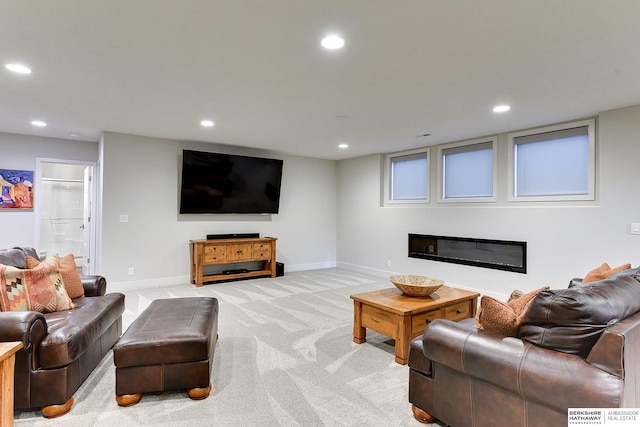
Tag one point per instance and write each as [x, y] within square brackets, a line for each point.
[62, 348]
[576, 348]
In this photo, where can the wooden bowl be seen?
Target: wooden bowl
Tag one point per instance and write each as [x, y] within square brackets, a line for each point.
[416, 286]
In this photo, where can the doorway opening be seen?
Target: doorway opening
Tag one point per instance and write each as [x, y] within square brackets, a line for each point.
[64, 211]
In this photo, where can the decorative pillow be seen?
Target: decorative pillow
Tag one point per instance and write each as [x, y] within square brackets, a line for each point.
[618, 269]
[602, 272]
[504, 318]
[39, 289]
[69, 273]
[572, 320]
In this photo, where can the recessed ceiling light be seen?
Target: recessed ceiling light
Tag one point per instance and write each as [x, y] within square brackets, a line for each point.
[38, 123]
[74, 134]
[332, 42]
[18, 68]
[206, 123]
[501, 108]
[343, 146]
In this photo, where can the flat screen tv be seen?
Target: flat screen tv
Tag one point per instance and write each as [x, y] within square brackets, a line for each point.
[229, 184]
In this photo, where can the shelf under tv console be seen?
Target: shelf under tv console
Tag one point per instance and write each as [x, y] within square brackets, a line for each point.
[229, 253]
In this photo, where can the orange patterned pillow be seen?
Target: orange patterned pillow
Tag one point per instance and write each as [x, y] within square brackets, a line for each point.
[69, 272]
[504, 318]
[603, 272]
[38, 289]
[619, 268]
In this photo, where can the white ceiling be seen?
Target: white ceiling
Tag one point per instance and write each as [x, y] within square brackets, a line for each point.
[256, 67]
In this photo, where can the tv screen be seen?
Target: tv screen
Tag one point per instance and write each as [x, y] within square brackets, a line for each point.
[229, 184]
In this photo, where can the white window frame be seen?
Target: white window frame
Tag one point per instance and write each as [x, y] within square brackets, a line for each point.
[389, 158]
[441, 171]
[591, 130]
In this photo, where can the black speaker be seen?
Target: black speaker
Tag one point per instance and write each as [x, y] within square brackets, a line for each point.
[233, 236]
[279, 269]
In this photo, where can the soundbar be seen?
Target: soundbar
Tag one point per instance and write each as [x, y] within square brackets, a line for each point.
[233, 236]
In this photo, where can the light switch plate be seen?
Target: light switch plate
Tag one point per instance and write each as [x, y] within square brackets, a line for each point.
[635, 228]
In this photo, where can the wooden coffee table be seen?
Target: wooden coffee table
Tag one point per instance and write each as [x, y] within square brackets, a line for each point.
[403, 318]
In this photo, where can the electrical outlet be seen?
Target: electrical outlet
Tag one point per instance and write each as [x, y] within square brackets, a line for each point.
[635, 228]
[388, 263]
[130, 271]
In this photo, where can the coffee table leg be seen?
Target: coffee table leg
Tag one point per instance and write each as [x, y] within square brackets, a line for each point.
[359, 333]
[402, 340]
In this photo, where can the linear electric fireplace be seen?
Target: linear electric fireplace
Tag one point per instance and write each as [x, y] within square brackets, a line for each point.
[498, 254]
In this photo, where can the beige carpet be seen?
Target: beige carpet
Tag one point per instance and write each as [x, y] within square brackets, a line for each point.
[285, 357]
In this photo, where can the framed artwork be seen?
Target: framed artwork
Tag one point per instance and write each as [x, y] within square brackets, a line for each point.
[16, 189]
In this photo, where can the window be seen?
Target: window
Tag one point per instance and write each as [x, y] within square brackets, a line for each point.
[467, 171]
[553, 163]
[407, 177]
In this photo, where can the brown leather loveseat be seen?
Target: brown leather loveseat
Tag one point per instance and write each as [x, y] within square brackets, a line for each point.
[60, 348]
[576, 348]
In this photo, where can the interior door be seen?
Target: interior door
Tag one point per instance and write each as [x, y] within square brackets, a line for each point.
[86, 223]
[64, 211]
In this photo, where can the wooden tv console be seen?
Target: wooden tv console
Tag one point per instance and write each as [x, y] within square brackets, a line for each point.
[232, 251]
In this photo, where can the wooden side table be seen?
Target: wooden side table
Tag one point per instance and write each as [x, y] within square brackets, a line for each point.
[7, 363]
[403, 318]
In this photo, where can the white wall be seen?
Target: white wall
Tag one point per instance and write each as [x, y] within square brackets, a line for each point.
[564, 241]
[331, 210]
[141, 179]
[17, 227]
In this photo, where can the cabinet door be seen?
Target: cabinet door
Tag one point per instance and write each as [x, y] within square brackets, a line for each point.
[239, 252]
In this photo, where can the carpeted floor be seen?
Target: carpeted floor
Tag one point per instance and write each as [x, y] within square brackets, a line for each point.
[285, 357]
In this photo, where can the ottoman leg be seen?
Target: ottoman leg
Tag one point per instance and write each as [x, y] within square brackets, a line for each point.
[199, 393]
[128, 399]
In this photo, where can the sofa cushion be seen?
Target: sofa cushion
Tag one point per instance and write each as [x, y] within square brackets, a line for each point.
[38, 289]
[13, 257]
[69, 273]
[504, 317]
[73, 332]
[572, 320]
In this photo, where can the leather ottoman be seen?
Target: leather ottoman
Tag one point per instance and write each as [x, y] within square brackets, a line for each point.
[169, 346]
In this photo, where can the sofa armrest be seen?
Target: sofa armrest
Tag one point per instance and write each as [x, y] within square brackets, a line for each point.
[29, 327]
[94, 285]
[538, 374]
[417, 360]
[617, 349]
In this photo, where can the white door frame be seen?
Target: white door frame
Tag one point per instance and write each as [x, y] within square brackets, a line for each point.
[37, 206]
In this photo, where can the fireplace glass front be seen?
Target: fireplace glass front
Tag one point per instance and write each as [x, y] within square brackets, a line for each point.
[497, 254]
